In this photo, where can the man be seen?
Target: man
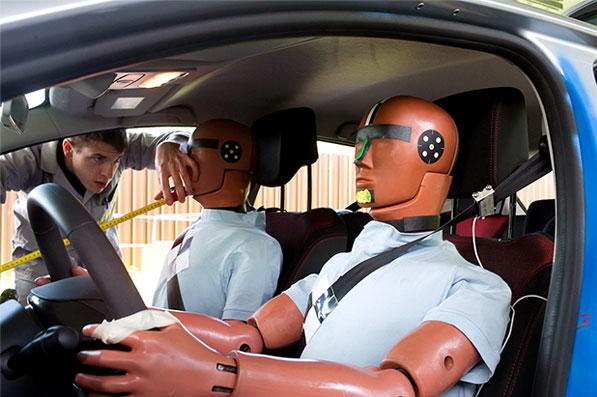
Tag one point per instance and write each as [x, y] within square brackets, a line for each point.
[426, 323]
[224, 264]
[88, 166]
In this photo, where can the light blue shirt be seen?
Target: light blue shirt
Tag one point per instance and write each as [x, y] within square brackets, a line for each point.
[227, 265]
[430, 282]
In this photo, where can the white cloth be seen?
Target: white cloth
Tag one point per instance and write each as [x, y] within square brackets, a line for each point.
[112, 332]
[227, 265]
[431, 282]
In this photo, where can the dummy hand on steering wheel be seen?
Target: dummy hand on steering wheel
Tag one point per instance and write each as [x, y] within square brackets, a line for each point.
[169, 361]
[170, 162]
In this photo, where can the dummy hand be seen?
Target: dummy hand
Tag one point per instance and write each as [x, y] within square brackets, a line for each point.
[166, 362]
[75, 270]
[170, 162]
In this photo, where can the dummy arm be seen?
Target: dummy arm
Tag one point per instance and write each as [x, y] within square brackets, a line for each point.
[276, 324]
[195, 369]
[172, 362]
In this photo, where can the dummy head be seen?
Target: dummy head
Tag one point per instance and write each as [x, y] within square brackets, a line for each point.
[224, 151]
[405, 149]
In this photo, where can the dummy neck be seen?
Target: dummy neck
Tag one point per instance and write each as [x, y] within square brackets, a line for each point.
[427, 202]
[416, 224]
[241, 209]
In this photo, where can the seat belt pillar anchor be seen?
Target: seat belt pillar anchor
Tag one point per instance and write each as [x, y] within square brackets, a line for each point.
[485, 201]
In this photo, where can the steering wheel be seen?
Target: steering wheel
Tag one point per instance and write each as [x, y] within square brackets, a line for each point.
[52, 208]
[39, 341]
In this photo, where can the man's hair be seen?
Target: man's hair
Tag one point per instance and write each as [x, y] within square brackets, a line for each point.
[115, 138]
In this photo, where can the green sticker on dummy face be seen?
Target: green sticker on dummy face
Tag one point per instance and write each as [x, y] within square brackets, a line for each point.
[363, 149]
[364, 196]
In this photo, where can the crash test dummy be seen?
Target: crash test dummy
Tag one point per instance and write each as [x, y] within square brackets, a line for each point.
[224, 264]
[426, 324]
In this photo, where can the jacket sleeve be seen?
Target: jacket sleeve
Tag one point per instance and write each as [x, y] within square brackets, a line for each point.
[140, 153]
[19, 170]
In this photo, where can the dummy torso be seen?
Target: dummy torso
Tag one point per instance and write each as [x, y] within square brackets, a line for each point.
[227, 266]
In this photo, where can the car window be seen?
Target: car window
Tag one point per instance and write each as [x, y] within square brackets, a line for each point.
[542, 189]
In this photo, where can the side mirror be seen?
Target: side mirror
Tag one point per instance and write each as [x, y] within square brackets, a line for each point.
[14, 113]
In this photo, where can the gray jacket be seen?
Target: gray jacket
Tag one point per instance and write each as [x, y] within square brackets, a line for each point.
[27, 168]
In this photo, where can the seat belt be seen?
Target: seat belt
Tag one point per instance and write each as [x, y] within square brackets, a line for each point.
[528, 172]
[537, 166]
[173, 294]
[338, 290]
[253, 191]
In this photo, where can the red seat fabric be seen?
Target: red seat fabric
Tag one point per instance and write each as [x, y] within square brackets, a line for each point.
[308, 240]
[490, 226]
[525, 264]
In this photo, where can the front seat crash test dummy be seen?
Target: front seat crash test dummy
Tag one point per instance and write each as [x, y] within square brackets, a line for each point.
[405, 150]
[224, 151]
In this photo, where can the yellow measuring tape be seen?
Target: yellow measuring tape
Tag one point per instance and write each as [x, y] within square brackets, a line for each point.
[106, 225]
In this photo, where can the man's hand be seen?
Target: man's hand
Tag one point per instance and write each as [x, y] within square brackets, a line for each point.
[170, 162]
[166, 362]
[75, 270]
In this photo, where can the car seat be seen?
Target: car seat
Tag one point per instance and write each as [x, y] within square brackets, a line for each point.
[540, 217]
[287, 140]
[493, 136]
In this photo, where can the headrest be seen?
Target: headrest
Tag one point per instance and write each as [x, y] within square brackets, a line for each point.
[539, 214]
[493, 137]
[286, 141]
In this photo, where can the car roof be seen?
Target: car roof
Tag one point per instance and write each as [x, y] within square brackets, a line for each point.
[338, 75]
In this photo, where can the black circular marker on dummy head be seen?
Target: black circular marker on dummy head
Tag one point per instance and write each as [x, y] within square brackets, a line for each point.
[231, 151]
[430, 146]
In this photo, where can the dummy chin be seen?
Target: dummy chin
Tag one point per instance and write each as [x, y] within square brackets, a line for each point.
[233, 193]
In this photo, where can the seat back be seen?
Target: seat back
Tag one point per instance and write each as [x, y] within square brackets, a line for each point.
[490, 226]
[529, 259]
[492, 126]
[539, 215]
[287, 140]
[308, 240]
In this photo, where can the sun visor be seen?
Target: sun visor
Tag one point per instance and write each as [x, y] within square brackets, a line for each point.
[286, 141]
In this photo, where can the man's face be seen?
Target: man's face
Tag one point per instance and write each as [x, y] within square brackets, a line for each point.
[93, 163]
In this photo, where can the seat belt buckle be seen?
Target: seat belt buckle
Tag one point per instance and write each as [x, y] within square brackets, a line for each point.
[485, 202]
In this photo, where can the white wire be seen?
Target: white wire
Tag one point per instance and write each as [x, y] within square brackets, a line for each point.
[475, 243]
[511, 306]
[512, 326]
[512, 317]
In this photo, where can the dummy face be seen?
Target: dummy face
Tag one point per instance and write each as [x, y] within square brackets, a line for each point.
[393, 153]
[93, 163]
[223, 151]
[383, 170]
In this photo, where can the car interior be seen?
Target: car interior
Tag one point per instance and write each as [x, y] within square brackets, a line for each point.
[293, 92]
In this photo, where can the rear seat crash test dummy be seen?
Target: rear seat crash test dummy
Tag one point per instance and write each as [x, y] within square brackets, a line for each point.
[427, 323]
[223, 264]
